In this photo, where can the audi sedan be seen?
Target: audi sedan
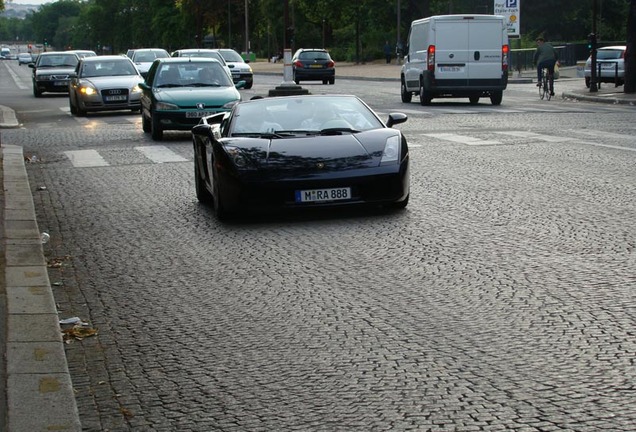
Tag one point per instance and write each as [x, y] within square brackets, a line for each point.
[178, 91]
[104, 83]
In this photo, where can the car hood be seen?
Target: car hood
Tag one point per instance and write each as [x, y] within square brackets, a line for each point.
[243, 67]
[128, 81]
[191, 96]
[318, 153]
[54, 71]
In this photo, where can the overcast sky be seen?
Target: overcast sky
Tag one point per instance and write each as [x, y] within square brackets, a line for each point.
[28, 2]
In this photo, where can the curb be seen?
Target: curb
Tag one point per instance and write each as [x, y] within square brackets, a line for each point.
[40, 394]
[601, 99]
[7, 118]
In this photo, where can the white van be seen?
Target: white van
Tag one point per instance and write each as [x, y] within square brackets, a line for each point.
[5, 53]
[456, 56]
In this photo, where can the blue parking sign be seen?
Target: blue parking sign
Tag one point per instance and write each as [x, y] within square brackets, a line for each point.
[511, 3]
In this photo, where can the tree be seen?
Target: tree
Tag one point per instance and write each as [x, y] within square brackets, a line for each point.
[630, 54]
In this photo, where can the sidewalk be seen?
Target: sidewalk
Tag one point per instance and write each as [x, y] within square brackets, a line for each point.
[39, 391]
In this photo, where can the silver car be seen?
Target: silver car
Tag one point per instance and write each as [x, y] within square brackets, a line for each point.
[143, 58]
[105, 83]
[610, 64]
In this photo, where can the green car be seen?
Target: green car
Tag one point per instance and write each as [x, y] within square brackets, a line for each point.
[179, 91]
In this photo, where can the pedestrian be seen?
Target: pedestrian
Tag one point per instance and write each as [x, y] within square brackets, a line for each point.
[545, 57]
[387, 52]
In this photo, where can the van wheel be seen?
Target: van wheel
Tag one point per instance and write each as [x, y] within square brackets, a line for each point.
[474, 100]
[407, 96]
[425, 97]
[495, 97]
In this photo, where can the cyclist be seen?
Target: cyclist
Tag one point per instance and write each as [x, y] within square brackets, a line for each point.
[545, 57]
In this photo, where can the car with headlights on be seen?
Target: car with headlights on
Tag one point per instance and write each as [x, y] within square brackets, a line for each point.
[143, 58]
[300, 152]
[241, 70]
[313, 64]
[610, 62]
[179, 91]
[104, 83]
[52, 72]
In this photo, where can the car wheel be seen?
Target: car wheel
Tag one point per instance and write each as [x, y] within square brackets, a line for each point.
[496, 97]
[36, 92]
[325, 81]
[220, 209]
[145, 123]
[203, 195]
[474, 100]
[425, 97]
[407, 96]
[155, 129]
[587, 82]
[79, 111]
[332, 80]
[248, 85]
[71, 106]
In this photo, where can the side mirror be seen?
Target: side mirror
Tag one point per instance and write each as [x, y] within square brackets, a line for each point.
[241, 84]
[396, 118]
[144, 86]
[31, 65]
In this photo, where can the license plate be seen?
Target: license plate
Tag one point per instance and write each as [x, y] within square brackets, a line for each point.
[450, 69]
[198, 114]
[115, 98]
[315, 66]
[322, 195]
[60, 83]
[608, 66]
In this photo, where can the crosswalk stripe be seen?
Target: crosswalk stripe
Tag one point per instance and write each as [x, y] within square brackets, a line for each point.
[535, 136]
[85, 158]
[160, 154]
[463, 139]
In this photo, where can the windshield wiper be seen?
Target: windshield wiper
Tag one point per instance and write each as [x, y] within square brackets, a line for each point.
[337, 131]
[204, 85]
[169, 85]
[268, 135]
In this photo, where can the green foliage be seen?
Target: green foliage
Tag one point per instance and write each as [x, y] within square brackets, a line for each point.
[352, 30]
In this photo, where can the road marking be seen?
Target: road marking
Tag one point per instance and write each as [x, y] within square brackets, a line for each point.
[603, 134]
[160, 154]
[85, 158]
[463, 139]
[536, 136]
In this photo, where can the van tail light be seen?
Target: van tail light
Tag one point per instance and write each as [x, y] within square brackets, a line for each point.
[430, 61]
[505, 52]
[298, 64]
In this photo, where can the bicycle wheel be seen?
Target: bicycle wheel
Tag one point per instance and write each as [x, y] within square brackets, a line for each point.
[541, 86]
[546, 86]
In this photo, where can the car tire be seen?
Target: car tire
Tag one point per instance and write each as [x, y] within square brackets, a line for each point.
[325, 81]
[145, 123]
[155, 129]
[496, 97]
[407, 96]
[332, 81]
[71, 106]
[474, 100]
[425, 97]
[36, 92]
[203, 195]
[248, 85]
[220, 210]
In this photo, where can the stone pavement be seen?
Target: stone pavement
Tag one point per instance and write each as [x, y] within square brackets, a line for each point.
[39, 392]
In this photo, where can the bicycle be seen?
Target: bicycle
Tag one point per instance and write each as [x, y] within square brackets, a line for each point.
[544, 85]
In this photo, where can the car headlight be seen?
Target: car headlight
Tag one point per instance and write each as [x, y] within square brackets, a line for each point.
[237, 157]
[230, 104]
[165, 106]
[136, 89]
[87, 90]
[391, 151]
[44, 77]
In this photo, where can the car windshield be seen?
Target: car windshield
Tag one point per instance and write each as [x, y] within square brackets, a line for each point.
[303, 116]
[231, 56]
[313, 55]
[58, 60]
[148, 56]
[107, 68]
[609, 54]
[192, 74]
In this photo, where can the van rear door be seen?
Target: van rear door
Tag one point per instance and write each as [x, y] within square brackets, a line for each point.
[452, 37]
[485, 51]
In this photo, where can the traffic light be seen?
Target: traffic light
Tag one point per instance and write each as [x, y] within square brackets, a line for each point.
[591, 41]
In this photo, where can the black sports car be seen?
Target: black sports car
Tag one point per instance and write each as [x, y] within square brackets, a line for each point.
[300, 152]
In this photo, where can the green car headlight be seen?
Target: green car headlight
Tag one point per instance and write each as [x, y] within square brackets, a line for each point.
[165, 106]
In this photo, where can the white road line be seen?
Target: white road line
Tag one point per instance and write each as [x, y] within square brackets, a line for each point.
[536, 136]
[463, 139]
[603, 134]
[160, 154]
[85, 158]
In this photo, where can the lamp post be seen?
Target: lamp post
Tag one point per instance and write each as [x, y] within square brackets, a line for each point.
[247, 37]
[593, 39]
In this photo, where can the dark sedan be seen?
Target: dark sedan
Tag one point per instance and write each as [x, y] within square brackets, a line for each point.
[300, 152]
[313, 64]
[52, 72]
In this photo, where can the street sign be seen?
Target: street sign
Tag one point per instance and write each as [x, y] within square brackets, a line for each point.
[511, 10]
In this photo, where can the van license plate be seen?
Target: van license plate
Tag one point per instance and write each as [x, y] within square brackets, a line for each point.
[450, 69]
